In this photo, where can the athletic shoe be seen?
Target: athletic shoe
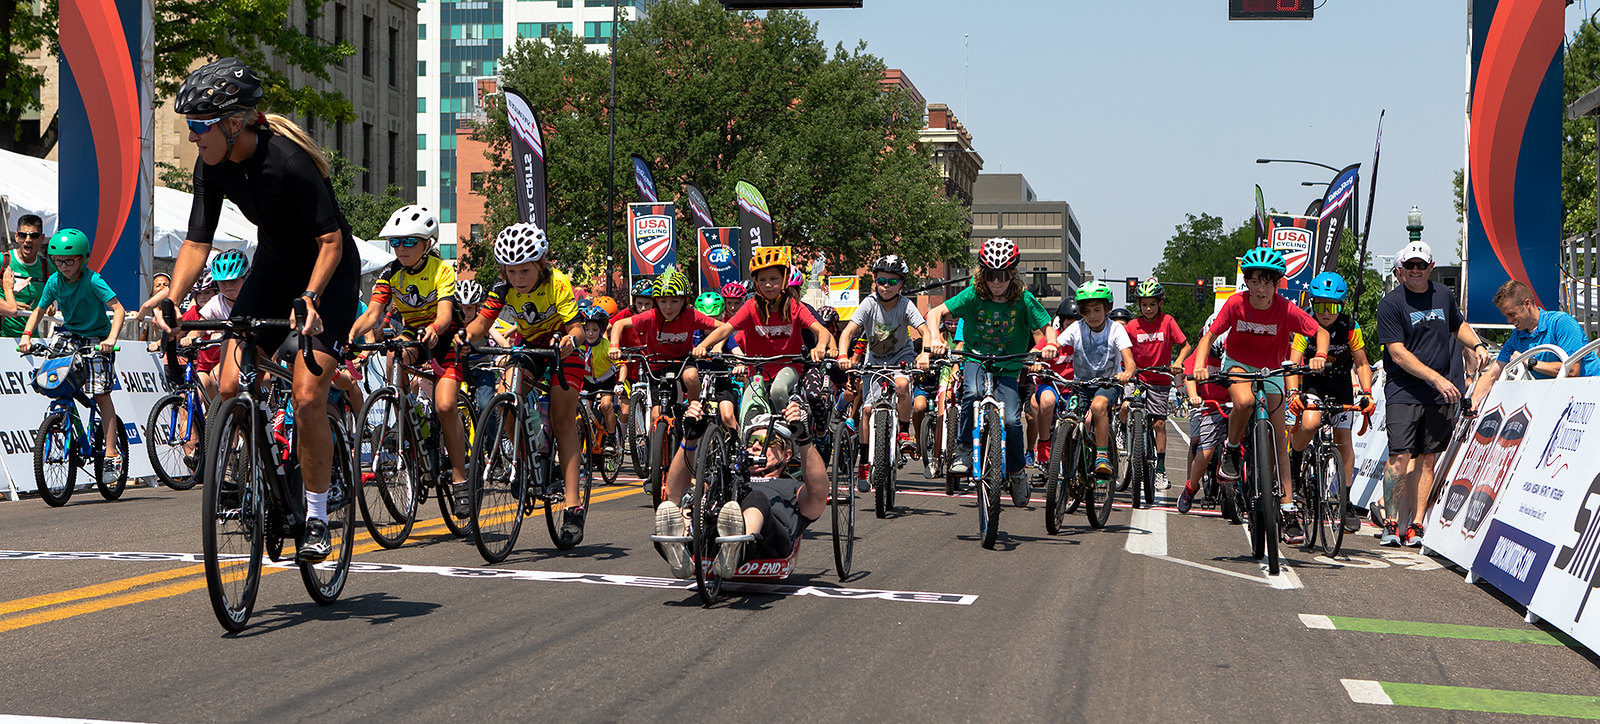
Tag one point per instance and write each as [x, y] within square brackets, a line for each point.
[1102, 467]
[1352, 521]
[1390, 536]
[571, 527]
[111, 471]
[1232, 457]
[1027, 459]
[1019, 489]
[1413, 537]
[1161, 482]
[908, 446]
[1041, 452]
[1375, 514]
[962, 465]
[670, 522]
[1289, 523]
[463, 499]
[1185, 500]
[730, 522]
[863, 482]
[315, 542]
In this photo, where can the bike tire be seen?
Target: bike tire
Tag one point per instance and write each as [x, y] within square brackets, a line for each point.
[1136, 455]
[1147, 461]
[556, 503]
[705, 502]
[992, 480]
[388, 507]
[55, 459]
[1098, 493]
[459, 527]
[1119, 444]
[1229, 493]
[639, 432]
[609, 466]
[1075, 489]
[952, 431]
[326, 580]
[927, 435]
[1055, 484]
[233, 518]
[660, 457]
[497, 471]
[1262, 459]
[881, 472]
[165, 447]
[113, 489]
[842, 500]
[1330, 484]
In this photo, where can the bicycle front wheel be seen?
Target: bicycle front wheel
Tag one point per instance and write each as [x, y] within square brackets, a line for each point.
[556, 503]
[992, 480]
[233, 517]
[388, 470]
[952, 433]
[928, 438]
[1263, 475]
[55, 459]
[660, 456]
[609, 458]
[325, 580]
[172, 440]
[881, 471]
[498, 473]
[637, 432]
[1056, 485]
[842, 499]
[709, 493]
[1329, 481]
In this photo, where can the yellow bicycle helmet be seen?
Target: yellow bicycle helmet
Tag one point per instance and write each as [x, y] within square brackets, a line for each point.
[762, 257]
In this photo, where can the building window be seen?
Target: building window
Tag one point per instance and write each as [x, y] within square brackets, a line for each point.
[597, 32]
[394, 57]
[422, 104]
[338, 28]
[985, 219]
[311, 26]
[563, 3]
[475, 181]
[422, 177]
[422, 141]
[422, 34]
[1031, 219]
[476, 231]
[338, 137]
[366, 157]
[422, 68]
[394, 158]
[447, 215]
[447, 142]
[366, 46]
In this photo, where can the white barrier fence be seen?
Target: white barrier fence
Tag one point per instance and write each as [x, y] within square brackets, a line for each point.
[1519, 505]
[140, 382]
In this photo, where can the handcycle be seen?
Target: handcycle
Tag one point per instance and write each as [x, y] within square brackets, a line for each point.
[252, 499]
[1069, 479]
[989, 440]
[1320, 483]
[400, 445]
[512, 469]
[62, 444]
[177, 423]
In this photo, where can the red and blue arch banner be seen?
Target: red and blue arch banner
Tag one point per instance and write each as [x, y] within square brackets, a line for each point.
[100, 124]
[1513, 194]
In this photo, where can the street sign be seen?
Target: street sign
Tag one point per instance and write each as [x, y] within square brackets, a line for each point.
[1270, 9]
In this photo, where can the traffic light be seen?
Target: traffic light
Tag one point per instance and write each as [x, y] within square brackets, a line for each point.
[1132, 294]
[1202, 290]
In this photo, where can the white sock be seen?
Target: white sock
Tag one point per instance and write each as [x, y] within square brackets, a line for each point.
[1286, 506]
[316, 506]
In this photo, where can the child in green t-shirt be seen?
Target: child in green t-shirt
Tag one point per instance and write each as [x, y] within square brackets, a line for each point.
[82, 298]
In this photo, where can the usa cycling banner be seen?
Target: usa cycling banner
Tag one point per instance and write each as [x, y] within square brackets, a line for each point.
[644, 179]
[719, 256]
[754, 220]
[652, 245]
[527, 159]
[1338, 213]
[699, 210]
[1294, 237]
[1514, 138]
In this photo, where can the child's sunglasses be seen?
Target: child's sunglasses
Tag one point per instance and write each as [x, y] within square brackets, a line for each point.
[406, 241]
[1327, 307]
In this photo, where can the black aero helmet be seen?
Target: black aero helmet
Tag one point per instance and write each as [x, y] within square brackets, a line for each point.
[221, 86]
[1069, 310]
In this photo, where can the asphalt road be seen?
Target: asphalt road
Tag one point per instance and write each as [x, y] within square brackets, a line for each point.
[1158, 617]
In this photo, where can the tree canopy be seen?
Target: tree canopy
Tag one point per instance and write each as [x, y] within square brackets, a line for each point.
[713, 97]
[1201, 246]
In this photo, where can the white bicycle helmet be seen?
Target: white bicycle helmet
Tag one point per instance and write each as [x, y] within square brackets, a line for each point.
[999, 253]
[469, 292]
[413, 220]
[520, 244]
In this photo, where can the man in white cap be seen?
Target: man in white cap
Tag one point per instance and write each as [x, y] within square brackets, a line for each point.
[1420, 325]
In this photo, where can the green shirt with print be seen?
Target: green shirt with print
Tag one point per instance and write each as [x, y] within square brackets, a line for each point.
[990, 327]
[27, 283]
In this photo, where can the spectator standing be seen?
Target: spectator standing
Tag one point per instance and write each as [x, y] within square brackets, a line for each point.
[25, 272]
[1420, 324]
[1531, 327]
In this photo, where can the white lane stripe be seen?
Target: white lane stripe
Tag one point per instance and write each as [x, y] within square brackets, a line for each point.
[1147, 533]
[20, 719]
[1179, 429]
[1317, 621]
[1363, 691]
[1286, 579]
[1213, 569]
[1040, 501]
[520, 574]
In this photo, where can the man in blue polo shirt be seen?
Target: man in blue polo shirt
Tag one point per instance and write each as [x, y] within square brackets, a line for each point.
[1532, 327]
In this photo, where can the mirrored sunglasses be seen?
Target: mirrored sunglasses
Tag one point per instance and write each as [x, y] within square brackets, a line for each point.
[406, 241]
[1327, 307]
[888, 282]
[1415, 265]
[200, 127]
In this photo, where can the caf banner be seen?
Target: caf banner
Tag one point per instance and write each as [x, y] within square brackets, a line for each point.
[719, 257]
[1294, 238]
[651, 245]
[754, 220]
[527, 159]
[843, 295]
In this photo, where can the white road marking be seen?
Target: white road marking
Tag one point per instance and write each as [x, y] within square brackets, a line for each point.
[1147, 533]
[19, 719]
[1363, 691]
[1317, 621]
[1286, 579]
[1179, 429]
[1213, 569]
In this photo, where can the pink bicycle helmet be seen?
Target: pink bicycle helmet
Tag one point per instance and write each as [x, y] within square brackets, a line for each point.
[795, 277]
[733, 290]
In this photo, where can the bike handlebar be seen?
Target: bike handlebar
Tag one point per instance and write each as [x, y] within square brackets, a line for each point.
[524, 352]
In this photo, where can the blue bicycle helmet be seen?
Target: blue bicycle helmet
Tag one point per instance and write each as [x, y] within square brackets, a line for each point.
[229, 265]
[644, 288]
[1264, 258]
[1329, 287]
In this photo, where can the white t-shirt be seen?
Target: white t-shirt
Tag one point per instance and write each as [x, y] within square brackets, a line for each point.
[1094, 354]
[884, 327]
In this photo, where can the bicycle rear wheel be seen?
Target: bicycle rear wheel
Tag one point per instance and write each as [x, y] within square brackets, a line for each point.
[992, 480]
[459, 526]
[952, 447]
[55, 459]
[637, 434]
[234, 517]
[842, 499]
[1136, 455]
[609, 464]
[168, 431]
[387, 471]
[1329, 482]
[881, 472]
[113, 489]
[498, 474]
[1056, 486]
[325, 580]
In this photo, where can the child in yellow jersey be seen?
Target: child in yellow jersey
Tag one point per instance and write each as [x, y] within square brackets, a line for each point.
[600, 375]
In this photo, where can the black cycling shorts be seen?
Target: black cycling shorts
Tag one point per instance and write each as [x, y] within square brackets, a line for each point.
[1418, 429]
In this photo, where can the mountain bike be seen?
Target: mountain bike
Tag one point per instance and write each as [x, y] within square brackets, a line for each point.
[951, 429]
[62, 444]
[1320, 487]
[1069, 478]
[177, 423]
[253, 497]
[930, 431]
[650, 389]
[1216, 491]
[1141, 440]
[989, 440]
[605, 450]
[512, 469]
[1258, 469]
[884, 457]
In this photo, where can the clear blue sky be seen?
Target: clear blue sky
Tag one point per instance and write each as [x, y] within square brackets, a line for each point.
[1138, 113]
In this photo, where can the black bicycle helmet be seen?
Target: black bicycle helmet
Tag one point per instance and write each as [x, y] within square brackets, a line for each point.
[1069, 310]
[221, 86]
[1121, 314]
[893, 264]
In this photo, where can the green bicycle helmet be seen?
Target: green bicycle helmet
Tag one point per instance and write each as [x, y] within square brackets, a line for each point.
[1264, 258]
[710, 304]
[68, 242]
[1150, 289]
[672, 283]
[1095, 290]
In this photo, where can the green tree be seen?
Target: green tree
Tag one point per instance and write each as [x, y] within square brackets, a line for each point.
[712, 98]
[366, 212]
[1366, 308]
[186, 32]
[1580, 74]
[1202, 246]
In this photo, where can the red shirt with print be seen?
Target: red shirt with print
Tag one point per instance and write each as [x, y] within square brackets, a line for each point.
[1207, 390]
[1153, 342]
[763, 335]
[671, 339]
[1261, 337]
[630, 336]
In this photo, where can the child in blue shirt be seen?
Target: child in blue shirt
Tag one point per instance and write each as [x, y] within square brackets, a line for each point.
[82, 298]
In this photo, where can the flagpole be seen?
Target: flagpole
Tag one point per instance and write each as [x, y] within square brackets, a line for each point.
[611, 154]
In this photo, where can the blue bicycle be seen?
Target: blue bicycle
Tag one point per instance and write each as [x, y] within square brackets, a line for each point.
[989, 441]
[62, 444]
[177, 423]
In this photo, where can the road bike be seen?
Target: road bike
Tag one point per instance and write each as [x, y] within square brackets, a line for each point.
[177, 423]
[1320, 489]
[989, 440]
[253, 495]
[1069, 479]
[1258, 469]
[62, 443]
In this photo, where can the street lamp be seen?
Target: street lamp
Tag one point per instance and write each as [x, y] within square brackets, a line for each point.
[1315, 183]
[1295, 160]
[1414, 223]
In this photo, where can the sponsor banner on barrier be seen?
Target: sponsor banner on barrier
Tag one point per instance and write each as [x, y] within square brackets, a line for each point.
[1371, 454]
[139, 383]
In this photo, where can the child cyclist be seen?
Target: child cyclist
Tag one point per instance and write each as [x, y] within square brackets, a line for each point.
[1155, 334]
[538, 297]
[1099, 347]
[1261, 325]
[82, 298]
[998, 317]
[600, 376]
[713, 305]
[1208, 426]
[421, 288]
[885, 316]
[1042, 405]
[667, 331]
[227, 273]
[1346, 352]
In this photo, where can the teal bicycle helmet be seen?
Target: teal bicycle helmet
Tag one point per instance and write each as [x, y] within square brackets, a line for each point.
[1264, 258]
[229, 265]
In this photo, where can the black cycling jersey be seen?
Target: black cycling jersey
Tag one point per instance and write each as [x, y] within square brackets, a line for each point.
[782, 524]
[280, 190]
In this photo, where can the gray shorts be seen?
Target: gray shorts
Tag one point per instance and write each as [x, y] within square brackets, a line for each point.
[1207, 430]
[1156, 403]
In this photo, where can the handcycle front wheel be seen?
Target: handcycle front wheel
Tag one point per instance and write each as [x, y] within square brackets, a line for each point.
[168, 432]
[55, 459]
[842, 500]
[710, 491]
[233, 519]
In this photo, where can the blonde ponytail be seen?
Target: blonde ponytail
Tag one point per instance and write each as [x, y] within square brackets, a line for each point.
[287, 128]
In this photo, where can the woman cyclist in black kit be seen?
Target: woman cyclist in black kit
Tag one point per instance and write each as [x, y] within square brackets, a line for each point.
[278, 177]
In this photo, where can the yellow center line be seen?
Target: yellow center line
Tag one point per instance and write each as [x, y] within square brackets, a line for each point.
[102, 600]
